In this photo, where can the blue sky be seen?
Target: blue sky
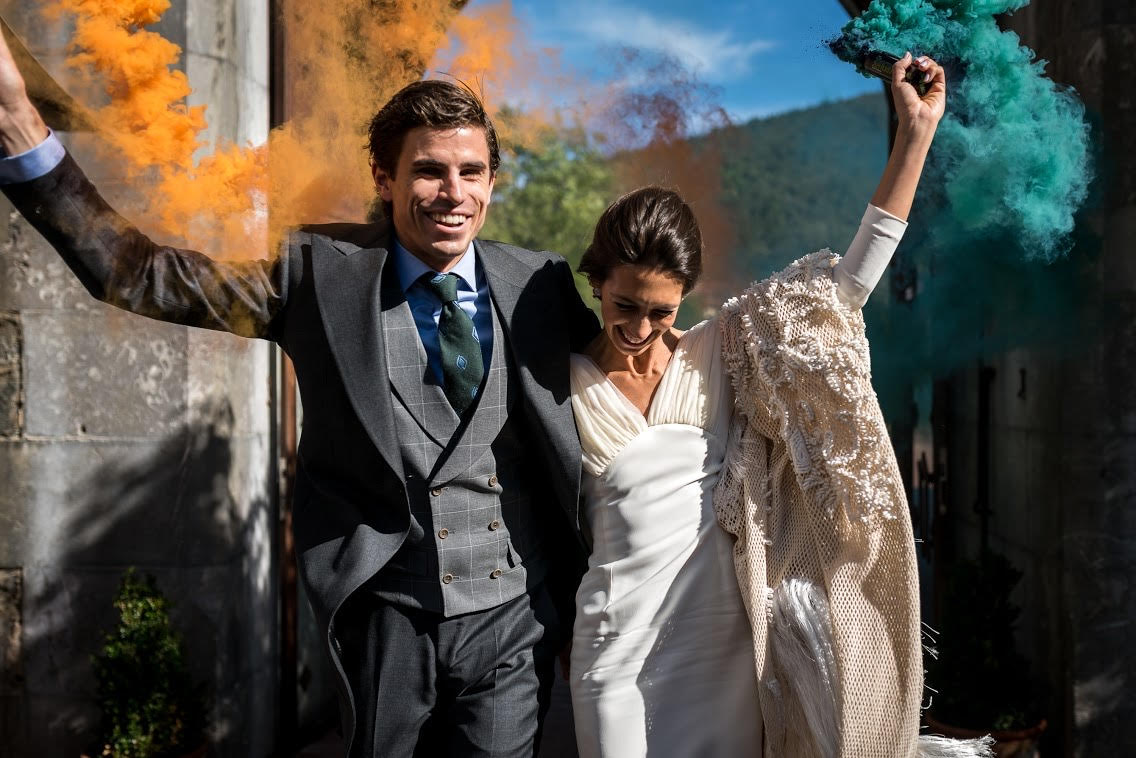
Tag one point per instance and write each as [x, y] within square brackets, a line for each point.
[762, 57]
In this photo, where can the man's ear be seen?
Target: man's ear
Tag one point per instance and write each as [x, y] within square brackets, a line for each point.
[382, 183]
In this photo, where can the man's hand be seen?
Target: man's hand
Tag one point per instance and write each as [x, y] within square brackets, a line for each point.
[21, 127]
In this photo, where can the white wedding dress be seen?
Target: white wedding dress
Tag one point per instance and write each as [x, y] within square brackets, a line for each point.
[662, 652]
[662, 657]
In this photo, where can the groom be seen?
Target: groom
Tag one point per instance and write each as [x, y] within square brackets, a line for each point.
[436, 496]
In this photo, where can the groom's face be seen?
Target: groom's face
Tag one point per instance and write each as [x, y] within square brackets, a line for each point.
[439, 192]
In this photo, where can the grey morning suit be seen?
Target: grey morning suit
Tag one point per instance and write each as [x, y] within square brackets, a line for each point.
[371, 453]
[475, 543]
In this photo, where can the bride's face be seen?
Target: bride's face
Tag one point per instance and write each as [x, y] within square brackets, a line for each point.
[639, 305]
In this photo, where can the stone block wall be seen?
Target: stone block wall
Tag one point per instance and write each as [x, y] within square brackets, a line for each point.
[128, 442]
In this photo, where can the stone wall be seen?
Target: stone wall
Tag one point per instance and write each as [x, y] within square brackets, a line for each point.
[127, 442]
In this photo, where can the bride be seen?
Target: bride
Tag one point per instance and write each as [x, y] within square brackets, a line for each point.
[751, 588]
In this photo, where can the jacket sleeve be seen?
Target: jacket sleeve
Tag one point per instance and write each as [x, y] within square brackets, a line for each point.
[121, 266]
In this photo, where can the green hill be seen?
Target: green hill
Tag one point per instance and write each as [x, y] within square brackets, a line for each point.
[799, 181]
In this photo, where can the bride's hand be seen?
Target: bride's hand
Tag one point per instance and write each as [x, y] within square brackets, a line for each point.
[917, 113]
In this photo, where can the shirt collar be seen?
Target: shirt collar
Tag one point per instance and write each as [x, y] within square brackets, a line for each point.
[411, 268]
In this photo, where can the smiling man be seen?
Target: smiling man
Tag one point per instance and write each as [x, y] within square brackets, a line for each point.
[436, 496]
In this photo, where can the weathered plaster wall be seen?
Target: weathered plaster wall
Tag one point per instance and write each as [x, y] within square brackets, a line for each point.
[127, 442]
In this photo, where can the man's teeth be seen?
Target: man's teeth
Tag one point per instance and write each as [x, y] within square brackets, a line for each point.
[449, 219]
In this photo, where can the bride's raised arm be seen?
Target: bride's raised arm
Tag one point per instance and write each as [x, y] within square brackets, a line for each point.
[885, 220]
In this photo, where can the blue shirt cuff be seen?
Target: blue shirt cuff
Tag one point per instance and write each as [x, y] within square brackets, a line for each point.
[37, 162]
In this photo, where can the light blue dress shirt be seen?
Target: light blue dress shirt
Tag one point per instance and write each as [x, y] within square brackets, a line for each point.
[473, 298]
[32, 164]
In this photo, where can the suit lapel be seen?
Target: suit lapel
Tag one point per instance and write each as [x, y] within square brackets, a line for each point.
[348, 283]
[507, 279]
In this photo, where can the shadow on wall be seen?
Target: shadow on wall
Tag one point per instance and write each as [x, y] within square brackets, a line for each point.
[168, 508]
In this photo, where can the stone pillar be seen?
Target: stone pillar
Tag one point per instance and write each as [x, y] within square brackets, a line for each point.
[127, 442]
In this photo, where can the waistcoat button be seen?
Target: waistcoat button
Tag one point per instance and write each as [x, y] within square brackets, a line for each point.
[447, 578]
[443, 533]
[496, 574]
[494, 525]
[436, 491]
[493, 481]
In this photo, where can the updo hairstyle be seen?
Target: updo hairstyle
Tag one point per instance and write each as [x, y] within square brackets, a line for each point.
[651, 227]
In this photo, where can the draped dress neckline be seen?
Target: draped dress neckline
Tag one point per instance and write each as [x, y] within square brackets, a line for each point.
[689, 392]
[589, 364]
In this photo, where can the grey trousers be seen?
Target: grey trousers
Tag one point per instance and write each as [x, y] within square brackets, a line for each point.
[427, 686]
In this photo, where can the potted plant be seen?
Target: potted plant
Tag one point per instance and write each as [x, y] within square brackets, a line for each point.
[981, 683]
[151, 707]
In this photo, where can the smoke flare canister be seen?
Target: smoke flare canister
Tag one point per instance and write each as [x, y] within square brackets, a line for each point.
[880, 64]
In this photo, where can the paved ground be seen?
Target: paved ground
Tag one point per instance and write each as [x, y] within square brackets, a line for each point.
[558, 740]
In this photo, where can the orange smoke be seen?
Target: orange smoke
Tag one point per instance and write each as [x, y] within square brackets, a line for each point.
[334, 87]
[339, 68]
[152, 134]
[143, 118]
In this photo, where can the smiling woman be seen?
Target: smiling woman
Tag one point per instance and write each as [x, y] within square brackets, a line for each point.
[645, 256]
[751, 586]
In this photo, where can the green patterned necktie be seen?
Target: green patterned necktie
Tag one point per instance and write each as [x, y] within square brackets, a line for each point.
[462, 366]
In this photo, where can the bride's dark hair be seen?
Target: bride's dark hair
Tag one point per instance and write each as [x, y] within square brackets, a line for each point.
[651, 226]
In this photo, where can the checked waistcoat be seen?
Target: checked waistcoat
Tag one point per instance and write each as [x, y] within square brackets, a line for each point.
[475, 541]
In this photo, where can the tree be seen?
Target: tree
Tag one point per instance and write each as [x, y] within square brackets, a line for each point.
[550, 195]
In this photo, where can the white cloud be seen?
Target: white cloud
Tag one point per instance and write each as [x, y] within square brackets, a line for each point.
[711, 53]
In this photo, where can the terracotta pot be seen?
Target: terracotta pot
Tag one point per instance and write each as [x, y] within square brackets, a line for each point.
[1008, 743]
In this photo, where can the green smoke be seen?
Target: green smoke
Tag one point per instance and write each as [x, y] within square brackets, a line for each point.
[1012, 156]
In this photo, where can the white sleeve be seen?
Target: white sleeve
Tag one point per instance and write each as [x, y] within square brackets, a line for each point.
[860, 269]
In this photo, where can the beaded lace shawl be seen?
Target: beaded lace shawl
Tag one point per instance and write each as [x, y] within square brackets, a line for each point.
[824, 551]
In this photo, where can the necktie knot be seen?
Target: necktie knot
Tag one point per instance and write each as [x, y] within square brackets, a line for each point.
[445, 286]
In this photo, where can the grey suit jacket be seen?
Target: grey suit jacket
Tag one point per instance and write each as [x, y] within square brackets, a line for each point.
[320, 300]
